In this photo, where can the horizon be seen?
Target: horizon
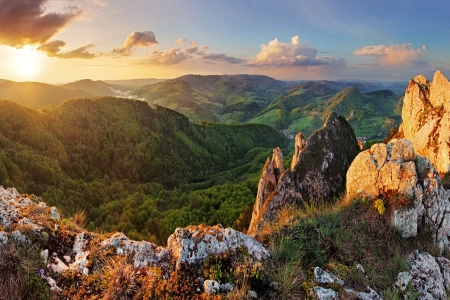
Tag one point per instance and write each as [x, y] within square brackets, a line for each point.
[57, 41]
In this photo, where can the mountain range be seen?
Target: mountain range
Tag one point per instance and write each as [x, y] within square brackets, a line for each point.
[371, 108]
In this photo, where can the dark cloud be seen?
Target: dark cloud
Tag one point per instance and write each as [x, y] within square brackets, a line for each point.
[52, 49]
[24, 22]
[223, 57]
[136, 39]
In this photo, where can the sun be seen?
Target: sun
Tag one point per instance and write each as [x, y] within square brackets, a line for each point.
[26, 62]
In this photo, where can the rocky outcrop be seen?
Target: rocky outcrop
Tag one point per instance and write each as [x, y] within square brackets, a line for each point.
[272, 171]
[195, 243]
[300, 144]
[426, 119]
[393, 171]
[428, 276]
[71, 255]
[318, 174]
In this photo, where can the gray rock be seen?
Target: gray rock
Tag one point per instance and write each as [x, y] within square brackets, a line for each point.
[252, 295]
[54, 213]
[323, 277]
[19, 237]
[195, 243]
[3, 237]
[145, 253]
[44, 256]
[226, 288]
[425, 277]
[211, 287]
[321, 293]
[369, 295]
[444, 264]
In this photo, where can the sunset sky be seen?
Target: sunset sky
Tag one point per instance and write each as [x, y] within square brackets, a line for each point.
[59, 41]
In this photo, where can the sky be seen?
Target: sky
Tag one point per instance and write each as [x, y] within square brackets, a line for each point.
[59, 41]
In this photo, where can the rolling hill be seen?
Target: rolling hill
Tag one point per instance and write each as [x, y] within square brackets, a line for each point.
[36, 94]
[227, 98]
[96, 88]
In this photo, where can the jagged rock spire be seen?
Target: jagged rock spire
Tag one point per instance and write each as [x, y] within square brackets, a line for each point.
[277, 161]
[300, 144]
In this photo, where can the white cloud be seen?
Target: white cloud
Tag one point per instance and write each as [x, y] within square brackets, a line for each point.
[295, 53]
[173, 56]
[393, 55]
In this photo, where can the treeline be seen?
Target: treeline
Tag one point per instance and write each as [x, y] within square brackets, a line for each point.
[132, 167]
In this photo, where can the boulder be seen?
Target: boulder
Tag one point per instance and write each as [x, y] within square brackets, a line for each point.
[394, 170]
[425, 277]
[323, 277]
[144, 253]
[321, 293]
[426, 119]
[195, 243]
[318, 174]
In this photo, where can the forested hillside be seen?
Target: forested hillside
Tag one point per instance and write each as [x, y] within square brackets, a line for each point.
[131, 167]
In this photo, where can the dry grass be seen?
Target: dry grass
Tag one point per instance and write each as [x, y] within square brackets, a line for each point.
[123, 283]
[76, 223]
[19, 273]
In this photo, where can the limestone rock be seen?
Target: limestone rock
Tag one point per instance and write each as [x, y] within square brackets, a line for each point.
[211, 287]
[323, 277]
[444, 264]
[426, 119]
[272, 171]
[395, 169]
[300, 144]
[54, 213]
[195, 243]
[321, 293]
[369, 295]
[319, 172]
[425, 276]
[3, 237]
[145, 253]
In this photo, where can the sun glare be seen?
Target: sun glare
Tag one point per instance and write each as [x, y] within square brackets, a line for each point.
[26, 62]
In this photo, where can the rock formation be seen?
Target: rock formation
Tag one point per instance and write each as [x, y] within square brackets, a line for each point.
[428, 276]
[319, 172]
[70, 254]
[272, 171]
[300, 144]
[426, 119]
[394, 170]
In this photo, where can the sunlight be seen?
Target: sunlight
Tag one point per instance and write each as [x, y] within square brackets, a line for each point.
[26, 62]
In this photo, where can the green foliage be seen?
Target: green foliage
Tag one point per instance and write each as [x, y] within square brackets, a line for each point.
[132, 168]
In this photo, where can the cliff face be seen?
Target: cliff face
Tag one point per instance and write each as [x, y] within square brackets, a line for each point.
[319, 171]
[426, 119]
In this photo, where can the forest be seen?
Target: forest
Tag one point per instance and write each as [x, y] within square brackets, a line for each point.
[131, 167]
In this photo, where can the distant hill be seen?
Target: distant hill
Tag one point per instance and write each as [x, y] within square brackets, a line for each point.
[227, 98]
[304, 107]
[96, 88]
[134, 83]
[36, 94]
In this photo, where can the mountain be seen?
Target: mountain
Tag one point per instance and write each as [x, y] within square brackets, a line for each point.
[36, 94]
[227, 98]
[303, 107]
[96, 88]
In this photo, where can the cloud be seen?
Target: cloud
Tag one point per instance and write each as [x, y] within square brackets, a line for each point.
[293, 54]
[223, 57]
[24, 22]
[52, 49]
[136, 39]
[393, 55]
[173, 56]
[180, 42]
[98, 3]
